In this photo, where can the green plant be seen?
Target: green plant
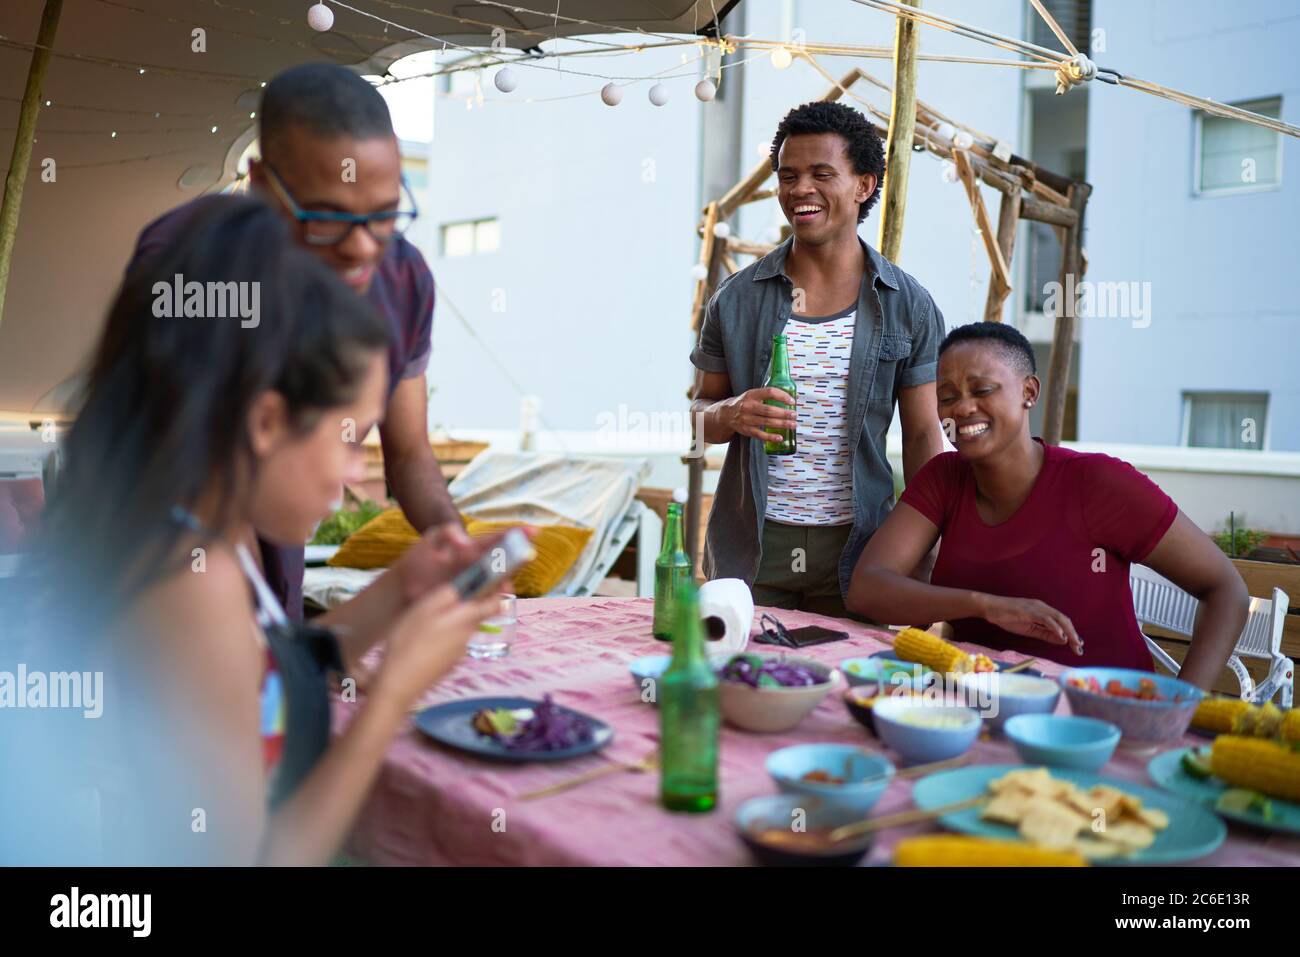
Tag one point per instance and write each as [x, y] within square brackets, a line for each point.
[344, 522]
[1246, 540]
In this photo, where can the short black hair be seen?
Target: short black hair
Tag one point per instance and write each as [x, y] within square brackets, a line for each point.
[1006, 338]
[325, 99]
[865, 148]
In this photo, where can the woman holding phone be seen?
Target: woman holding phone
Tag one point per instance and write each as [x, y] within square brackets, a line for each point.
[197, 435]
[1035, 540]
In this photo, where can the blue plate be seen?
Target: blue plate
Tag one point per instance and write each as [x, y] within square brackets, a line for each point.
[1002, 665]
[452, 724]
[1193, 830]
[1167, 771]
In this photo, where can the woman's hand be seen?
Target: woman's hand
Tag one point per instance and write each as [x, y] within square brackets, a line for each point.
[428, 640]
[437, 557]
[1032, 619]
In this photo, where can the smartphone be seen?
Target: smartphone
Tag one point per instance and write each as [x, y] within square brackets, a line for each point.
[815, 635]
[495, 565]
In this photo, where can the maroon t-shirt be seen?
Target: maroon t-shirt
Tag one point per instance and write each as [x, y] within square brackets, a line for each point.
[402, 291]
[1069, 545]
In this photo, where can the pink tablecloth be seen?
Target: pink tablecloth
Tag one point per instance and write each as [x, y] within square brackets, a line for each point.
[433, 805]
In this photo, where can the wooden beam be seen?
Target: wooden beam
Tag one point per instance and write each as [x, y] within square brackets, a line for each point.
[745, 246]
[712, 255]
[707, 242]
[1058, 367]
[902, 128]
[1041, 212]
[25, 132]
[1008, 220]
[1000, 272]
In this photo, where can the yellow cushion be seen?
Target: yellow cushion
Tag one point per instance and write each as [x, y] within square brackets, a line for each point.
[558, 547]
[381, 540]
[377, 543]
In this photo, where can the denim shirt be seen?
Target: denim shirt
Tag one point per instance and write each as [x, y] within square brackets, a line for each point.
[895, 346]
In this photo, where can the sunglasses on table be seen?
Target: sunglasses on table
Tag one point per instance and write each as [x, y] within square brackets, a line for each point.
[329, 228]
[773, 632]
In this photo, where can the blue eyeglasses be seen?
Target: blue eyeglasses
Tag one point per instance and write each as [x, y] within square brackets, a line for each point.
[322, 228]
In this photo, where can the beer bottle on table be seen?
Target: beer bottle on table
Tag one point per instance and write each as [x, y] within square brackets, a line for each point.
[689, 715]
[672, 568]
[778, 377]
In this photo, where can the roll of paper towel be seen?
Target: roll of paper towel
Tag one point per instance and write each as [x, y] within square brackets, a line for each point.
[727, 610]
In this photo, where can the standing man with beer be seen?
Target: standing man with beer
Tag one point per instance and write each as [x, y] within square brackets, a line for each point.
[853, 335]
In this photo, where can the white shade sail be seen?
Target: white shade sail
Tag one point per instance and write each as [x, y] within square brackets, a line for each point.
[133, 68]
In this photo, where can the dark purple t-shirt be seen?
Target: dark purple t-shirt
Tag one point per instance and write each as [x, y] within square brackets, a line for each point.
[402, 291]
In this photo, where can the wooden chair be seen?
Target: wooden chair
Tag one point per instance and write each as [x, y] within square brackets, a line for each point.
[1158, 601]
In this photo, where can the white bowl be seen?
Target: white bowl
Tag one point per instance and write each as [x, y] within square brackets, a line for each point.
[1008, 695]
[775, 709]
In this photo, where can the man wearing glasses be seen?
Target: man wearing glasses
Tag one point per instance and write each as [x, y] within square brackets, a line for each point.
[330, 162]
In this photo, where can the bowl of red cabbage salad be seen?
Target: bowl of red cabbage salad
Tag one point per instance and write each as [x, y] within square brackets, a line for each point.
[761, 671]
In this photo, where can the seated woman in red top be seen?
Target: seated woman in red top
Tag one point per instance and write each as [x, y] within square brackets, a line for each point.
[1036, 540]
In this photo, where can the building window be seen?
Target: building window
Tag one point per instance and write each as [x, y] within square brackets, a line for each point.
[471, 238]
[1225, 420]
[1234, 157]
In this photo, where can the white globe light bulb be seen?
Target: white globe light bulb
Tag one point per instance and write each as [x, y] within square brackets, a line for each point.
[658, 94]
[705, 91]
[699, 272]
[721, 230]
[963, 140]
[320, 17]
[505, 80]
[781, 57]
[611, 94]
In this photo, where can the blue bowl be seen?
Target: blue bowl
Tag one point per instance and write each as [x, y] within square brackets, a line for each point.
[865, 773]
[1141, 723]
[1063, 741]
[922, 731]
[773, 814]
[999, 697]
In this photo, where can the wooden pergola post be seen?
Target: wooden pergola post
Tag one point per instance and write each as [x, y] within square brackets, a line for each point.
[902, 128]
[1008, 220]
[23, 135]
[1058, 367]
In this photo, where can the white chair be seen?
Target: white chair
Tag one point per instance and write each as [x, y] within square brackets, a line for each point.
[1158, 601]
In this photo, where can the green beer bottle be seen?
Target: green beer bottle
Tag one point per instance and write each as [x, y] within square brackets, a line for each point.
[688, 715]
[778, 377]
[672, 568]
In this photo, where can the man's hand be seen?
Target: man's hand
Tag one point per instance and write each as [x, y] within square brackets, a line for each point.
[746, 414]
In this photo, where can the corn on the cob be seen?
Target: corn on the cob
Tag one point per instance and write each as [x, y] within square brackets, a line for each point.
[1220, 715]
[1264, 766]
[955, 850]
[913, 644]
[1290, 729]
[1262, 721]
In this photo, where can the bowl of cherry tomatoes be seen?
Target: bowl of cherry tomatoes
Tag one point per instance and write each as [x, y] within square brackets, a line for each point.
[1149, 709]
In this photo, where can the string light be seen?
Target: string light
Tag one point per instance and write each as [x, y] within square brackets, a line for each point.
[658, 94]
[320, 17]
[781, 57]
[505, 80]
[705, 91]
[611, 94]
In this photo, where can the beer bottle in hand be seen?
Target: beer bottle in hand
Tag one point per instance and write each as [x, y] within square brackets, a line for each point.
[778, 377]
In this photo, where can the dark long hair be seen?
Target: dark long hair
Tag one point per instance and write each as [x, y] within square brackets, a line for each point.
[165, 408]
